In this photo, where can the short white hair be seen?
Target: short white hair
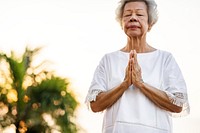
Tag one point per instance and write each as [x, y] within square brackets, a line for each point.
[151, 10]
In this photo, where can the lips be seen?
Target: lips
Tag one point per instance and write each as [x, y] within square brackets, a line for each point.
[133, 26]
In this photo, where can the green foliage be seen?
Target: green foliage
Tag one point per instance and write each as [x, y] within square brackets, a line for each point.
[44, 101]
[52, 98]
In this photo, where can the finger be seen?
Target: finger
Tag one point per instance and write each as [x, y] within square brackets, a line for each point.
[136, 70]
[131, 54]
[129, 65]
[130, 69]
[136, 60]
[128, 73]
[135, 56]
[133, 64]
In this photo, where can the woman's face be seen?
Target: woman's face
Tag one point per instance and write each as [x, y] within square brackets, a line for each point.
[135, 19]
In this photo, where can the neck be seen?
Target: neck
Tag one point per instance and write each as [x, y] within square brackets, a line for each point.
[138, 44]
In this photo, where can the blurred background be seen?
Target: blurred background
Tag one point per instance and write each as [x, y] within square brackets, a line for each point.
[62, 41]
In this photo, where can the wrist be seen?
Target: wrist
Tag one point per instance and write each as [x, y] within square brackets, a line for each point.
[125, 84]
[140, 84]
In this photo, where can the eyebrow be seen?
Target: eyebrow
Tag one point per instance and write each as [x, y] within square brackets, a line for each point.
[135, 9]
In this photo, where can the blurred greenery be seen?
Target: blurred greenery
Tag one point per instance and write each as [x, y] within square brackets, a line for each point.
[33, 99]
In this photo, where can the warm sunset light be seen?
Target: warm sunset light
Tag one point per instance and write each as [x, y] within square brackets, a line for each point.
[12, 96]
[76, 34]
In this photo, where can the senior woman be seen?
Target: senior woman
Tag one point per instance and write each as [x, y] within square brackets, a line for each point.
[139, 87]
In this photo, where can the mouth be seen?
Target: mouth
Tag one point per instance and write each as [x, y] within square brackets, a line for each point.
[133, 27]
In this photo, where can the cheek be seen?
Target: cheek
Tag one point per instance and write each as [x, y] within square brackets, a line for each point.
[144, 24]
[125, 22]
[123, 25]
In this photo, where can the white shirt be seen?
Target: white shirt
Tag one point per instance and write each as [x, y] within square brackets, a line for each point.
[134, 112]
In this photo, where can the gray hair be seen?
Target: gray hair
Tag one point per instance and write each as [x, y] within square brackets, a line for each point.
[151, 10]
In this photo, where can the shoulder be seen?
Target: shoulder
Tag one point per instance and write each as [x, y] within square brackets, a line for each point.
[111, 55]
[168, 58]
[164, 53]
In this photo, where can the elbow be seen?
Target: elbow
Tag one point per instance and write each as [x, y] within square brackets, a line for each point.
[95, 107]
[177, 109]
[95, 110]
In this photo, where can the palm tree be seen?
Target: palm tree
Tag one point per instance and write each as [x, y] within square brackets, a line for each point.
[33, 99]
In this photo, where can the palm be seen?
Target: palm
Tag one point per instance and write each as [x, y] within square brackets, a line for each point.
[33, 95]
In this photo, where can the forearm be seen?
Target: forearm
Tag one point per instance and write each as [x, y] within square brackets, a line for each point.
[159, 98]
[107, 99]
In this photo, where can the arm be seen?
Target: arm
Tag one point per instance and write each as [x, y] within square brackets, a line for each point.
[106, 99]
[157, 96]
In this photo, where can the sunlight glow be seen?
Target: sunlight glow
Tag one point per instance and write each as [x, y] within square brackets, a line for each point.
[51, 122]
[12, 96]
[48, 119]
[77, 33]
[3, 109]
[10, 129]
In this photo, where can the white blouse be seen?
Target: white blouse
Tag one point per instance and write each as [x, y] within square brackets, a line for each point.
[134, 112]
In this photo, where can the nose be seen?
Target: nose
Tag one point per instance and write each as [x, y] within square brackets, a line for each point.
[133, 18]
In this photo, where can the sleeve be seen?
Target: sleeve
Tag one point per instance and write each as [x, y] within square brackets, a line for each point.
[175, 86]
[99, 82]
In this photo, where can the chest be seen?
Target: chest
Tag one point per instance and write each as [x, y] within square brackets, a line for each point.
[152, 70]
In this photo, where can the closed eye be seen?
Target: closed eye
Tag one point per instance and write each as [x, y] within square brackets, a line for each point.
[128, 15]
[140, 15]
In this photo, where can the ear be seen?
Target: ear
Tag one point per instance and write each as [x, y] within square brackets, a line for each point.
[122, 26]
[150, 26]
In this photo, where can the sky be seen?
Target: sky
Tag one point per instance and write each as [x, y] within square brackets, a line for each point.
[75, 35]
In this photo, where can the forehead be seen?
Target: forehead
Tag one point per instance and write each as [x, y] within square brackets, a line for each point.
[138, 5]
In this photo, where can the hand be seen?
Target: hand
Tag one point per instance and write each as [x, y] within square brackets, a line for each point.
[128, 75]
[136, 74]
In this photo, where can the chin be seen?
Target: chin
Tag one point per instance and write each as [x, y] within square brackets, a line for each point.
[134, 35]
